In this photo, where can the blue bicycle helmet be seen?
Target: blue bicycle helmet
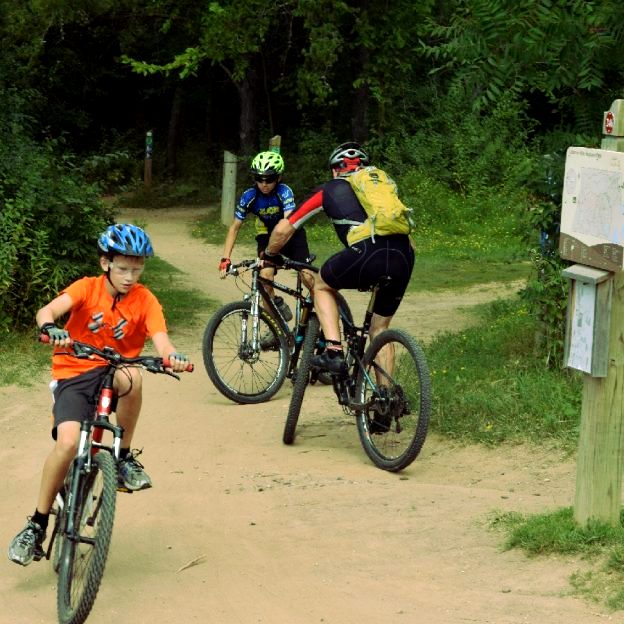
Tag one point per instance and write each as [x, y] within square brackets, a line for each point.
[125, 239]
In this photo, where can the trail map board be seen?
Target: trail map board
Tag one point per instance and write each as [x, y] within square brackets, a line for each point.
[592, 214]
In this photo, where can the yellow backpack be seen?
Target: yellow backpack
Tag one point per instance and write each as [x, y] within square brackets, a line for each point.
[386, 213]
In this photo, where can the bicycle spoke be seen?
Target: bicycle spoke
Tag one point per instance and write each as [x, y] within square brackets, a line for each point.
[238, 370]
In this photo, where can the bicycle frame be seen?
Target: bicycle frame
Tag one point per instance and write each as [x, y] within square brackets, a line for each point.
[356, 338]
[90, 442]
[303, 308]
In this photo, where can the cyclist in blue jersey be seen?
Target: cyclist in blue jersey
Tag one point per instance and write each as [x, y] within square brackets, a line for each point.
[270, 200]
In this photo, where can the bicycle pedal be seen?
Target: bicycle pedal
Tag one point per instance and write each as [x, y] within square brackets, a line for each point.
[124, 489]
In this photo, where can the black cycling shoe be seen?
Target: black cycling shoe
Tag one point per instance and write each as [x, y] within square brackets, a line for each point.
[333, 364]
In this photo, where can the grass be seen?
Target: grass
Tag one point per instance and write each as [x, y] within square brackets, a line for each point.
[490, 388]
[443, 261]
[181, 305]
[599, 545]
[22, 358]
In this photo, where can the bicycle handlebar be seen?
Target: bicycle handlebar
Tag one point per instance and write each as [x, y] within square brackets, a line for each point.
[151, 363]
[255, 263]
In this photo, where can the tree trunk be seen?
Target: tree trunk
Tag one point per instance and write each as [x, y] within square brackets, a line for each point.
[173, 136]
[248, 120]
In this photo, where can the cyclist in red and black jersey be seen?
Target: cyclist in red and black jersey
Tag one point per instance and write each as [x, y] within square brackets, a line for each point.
[358, 266]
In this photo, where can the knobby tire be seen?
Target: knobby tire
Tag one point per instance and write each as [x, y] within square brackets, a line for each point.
[81, 565]
[301, 380]
[237, 371]
[394, 440]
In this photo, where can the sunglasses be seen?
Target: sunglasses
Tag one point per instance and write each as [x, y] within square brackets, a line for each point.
[267, 179]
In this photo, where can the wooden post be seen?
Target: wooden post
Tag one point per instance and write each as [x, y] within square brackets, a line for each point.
[149, 145]
[275, 143]
[601, 440]
[600, 457]
[228, 188]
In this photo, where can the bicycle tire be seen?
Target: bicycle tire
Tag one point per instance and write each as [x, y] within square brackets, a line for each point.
[393, 428]
[345, 313]
[81, 564]
[243, 375]
[54, 548]
[302, 379]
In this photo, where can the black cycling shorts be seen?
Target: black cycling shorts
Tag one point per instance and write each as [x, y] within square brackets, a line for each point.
[361, 265]
[296, 248]
[75, 398]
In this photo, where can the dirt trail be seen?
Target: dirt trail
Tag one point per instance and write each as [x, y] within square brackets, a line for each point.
[240, 529]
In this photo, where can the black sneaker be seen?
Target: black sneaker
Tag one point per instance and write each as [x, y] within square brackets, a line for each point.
[335, 364]
[132, 476]
[27, 544]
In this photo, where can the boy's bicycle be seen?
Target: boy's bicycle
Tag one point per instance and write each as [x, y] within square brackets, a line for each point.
[84, 509]
[385, 385]
[248, 347]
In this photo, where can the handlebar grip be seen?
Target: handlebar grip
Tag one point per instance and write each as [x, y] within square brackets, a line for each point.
[189, 369]
[46, 339]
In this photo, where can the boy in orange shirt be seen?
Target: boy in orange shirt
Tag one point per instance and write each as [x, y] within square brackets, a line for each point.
[112, 309]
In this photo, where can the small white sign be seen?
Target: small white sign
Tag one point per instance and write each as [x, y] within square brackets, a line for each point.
[582, 327]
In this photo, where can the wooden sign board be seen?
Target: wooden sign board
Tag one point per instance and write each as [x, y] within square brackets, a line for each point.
[592, 212]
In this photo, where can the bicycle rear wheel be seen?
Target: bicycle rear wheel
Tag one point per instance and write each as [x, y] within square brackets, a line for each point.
[240, 372]
[301, 380]
[394, 387]
[83, 556]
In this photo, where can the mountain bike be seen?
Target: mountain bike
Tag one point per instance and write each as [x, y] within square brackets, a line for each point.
[386, 386]
[248, 347]
[84, 508]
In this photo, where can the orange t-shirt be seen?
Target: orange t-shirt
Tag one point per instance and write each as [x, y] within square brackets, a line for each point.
[94, 320]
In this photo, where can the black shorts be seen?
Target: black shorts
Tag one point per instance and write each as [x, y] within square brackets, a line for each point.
[295, 249]
[361, 265]
[75, 398]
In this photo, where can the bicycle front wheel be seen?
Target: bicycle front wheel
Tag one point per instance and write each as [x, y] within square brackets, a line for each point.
[393, 393]
[83, 555]
[301, 379]
[241, 372]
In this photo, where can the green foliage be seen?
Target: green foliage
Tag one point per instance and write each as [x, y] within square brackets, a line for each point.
[489, 388]
[557, 48]
[547, 289]
[111, 170]
[49, 220]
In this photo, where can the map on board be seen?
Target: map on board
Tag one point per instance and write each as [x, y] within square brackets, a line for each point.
[592, 215]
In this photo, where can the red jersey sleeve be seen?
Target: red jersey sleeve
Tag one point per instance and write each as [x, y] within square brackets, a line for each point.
[306, 210]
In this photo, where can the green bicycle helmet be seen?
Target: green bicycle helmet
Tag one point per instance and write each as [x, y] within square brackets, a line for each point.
[267, 163]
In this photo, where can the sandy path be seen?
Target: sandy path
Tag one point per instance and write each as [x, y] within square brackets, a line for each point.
[294, 535]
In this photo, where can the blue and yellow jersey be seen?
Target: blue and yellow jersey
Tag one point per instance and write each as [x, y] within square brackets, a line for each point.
[269, 209]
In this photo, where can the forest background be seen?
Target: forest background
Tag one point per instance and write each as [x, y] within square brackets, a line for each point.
[469, 104]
